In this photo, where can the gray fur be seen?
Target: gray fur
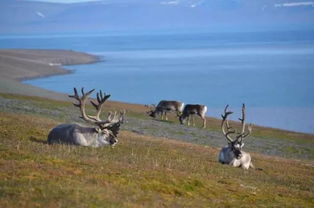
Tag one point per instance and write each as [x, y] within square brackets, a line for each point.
[193, 109]
[228, 156]
[232, 154]
[166, 106]
[74, 134]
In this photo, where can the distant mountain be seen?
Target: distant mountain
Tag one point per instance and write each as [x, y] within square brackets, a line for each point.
[28, 17]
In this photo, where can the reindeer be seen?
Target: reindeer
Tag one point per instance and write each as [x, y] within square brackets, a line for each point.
[165, 106]
[190, 110]
[232, 154]
[105, 132]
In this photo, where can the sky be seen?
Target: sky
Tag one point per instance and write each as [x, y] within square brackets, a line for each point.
[64, 1]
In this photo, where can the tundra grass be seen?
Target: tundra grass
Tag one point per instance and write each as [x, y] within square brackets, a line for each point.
[141, 171]
[139, 111]
[133, 110]
[265, 140]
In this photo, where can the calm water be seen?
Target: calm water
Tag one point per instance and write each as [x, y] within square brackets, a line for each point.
[273, 73]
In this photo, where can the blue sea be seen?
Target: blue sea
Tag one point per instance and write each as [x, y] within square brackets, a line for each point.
[271, 72]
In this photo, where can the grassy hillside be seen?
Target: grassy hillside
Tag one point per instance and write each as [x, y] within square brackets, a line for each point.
[142, 170]
[263, 140]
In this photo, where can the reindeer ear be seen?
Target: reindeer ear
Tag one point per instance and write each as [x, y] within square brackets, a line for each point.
[115, 128]
[122, 116]
[98, 130]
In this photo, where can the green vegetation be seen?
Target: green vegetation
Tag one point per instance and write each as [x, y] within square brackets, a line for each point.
[141, 171]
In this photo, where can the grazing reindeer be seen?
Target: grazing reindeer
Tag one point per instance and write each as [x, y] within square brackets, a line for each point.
[232, 154]
[165, 106]
[104, 134]
[190, 110]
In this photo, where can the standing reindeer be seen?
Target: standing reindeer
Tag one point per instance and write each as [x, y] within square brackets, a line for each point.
[191, 110]
[165, 106]
[232, 154]
[105, 132]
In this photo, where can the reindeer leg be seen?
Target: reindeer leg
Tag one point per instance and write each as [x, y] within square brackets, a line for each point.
[166, 116]
[189, 118]
[193, 120]
[251, 165]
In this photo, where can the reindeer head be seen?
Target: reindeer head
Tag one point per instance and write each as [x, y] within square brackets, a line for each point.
[236, 148]
[105, 137]
[152, 110]
[182, 119]
[107, 129]
[152, 114]
[237, 143]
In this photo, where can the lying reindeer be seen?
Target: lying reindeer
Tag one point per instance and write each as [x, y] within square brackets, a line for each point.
[165, 106]
[232, 154]
[104, 134]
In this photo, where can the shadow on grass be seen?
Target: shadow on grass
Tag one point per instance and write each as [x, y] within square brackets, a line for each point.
[34, 139]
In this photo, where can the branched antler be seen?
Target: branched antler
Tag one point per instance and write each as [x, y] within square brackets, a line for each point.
[227, 130]
[101, 99]
[82, 103]
[244, 134]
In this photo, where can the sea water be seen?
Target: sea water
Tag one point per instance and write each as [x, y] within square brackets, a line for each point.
[271, 72]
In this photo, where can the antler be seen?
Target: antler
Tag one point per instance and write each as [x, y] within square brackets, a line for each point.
[82, 104]
[244, 134]
[101, 98]
[113, 117]
[228, 130]
[225, 123]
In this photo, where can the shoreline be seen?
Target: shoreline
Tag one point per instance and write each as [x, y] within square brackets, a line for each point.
[33, 64]
[53, 59]
[12, 83]
[18, 65]
[65, 70]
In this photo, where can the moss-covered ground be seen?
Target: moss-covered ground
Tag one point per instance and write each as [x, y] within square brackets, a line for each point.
[142, 170]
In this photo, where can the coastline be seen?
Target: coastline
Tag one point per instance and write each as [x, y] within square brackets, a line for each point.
[17, 65]
[32, 60]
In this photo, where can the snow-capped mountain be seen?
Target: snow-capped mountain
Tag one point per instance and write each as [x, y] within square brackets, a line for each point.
[17, 16]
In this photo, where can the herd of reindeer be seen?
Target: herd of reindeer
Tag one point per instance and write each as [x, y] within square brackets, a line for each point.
[105, 132]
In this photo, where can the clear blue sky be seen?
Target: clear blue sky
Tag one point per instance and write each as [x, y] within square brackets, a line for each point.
[64, 1]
